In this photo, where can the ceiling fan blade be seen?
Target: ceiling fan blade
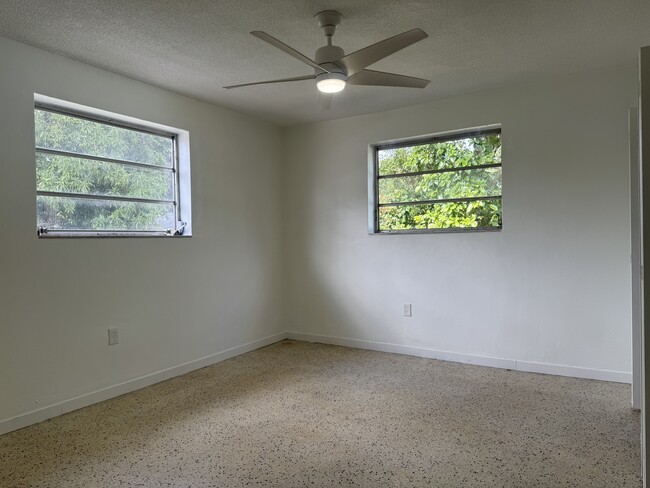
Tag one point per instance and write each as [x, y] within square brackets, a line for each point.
[381, 78]
[325, 100]
[287, 49]
[281, 80]
[356, 61]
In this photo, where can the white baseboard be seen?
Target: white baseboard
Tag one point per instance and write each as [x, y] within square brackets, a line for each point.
[91, 398]
[87, 399]
[514, 364]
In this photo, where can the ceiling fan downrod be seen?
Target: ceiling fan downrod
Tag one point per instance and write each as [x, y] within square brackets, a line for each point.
[335, 78]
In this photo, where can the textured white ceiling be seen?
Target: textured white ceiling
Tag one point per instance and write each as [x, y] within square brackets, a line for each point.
[195, 47]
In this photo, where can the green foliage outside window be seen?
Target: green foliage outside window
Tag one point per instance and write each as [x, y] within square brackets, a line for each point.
[76, 175]
[422, 200]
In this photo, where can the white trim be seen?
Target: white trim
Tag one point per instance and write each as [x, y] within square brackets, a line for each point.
[35, 416]
[514, 364]
[106, 116]
[635, 254]
[50, 411]
[445, 133]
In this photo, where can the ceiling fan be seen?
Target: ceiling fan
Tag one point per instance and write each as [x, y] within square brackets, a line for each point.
[333, 69]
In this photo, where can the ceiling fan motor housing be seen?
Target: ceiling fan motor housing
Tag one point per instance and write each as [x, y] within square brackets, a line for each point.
[327, 56]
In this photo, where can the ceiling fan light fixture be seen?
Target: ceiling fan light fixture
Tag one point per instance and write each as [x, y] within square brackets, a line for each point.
[331, 82]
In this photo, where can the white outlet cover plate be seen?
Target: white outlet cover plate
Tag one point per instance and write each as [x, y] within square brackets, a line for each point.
[112, 336]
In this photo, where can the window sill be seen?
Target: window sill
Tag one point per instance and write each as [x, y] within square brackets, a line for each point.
[109, 235]
[438, 231]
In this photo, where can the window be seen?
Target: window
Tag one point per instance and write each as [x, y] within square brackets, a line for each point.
[99, 174]
[442, 183]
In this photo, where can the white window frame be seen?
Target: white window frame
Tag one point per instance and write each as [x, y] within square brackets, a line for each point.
[373, 178]
[181, 169]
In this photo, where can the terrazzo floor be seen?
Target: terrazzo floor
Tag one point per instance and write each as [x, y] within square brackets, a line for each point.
[296, 414]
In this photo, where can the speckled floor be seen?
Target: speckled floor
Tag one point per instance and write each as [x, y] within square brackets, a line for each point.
[296, 414]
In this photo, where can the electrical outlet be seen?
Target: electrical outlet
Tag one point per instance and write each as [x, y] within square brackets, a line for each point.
[407, 310]
[112, 336]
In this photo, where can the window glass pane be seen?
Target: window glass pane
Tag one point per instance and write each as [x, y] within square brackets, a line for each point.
[436, 186]
[483, 213]
[62, 213]
[75, 175]
[67, 133]
[469, 151]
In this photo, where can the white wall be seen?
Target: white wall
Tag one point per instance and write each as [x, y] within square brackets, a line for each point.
[174, 300]
[552, 288]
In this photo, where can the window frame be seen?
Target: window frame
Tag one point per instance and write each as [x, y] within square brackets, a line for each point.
[374, 177]
[180, 154]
